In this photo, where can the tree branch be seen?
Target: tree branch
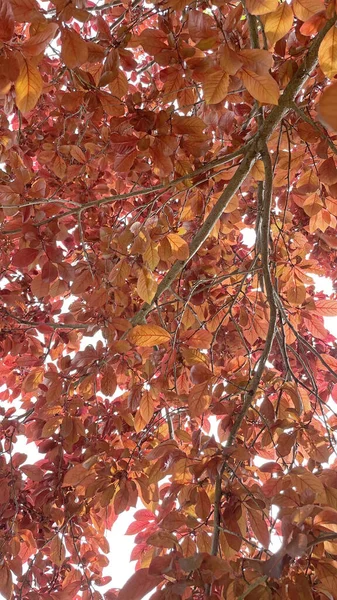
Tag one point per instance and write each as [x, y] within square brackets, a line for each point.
[251, 155]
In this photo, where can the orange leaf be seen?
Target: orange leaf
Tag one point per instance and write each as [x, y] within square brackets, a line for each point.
[215, 87]
[199, 399]
[327, 54]
[146, 407]
[148, 335]
[296, 295]
[258, 171]
[262, 87]
[326, 308]
[179, 246]
[327, 107]
[278, 23]
[261, 7]
[28, 87]
[139, 584]
[146, 285]
[151, 255]
[305, 9]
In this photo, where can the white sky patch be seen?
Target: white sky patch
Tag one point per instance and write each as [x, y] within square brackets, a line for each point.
[249, 236]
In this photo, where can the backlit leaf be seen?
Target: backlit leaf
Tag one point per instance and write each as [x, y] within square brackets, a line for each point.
[57, 551]
[74, 51]
[261, 7]
[215, 87]
[146, 285]
[146, 406]
[326, 308]
[327, 54]
[148, 335]
[327, 107]
[278, 23]
[262, 87]
[28, 87]
[179, 246]
[304, 9]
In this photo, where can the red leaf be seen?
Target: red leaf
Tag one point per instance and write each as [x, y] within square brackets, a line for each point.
[25, 257]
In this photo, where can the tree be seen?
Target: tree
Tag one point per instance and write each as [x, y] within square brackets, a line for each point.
[147, 350]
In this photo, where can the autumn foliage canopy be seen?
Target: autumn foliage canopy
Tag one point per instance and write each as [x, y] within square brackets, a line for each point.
[168, 195]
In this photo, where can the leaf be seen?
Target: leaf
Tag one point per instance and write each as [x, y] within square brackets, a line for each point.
[78, 154]
[261, 7]
[258, 171]
[215, 87]
[49, 272]
[327, 107]
[259, 527]
[327, 573]
[38, 42]
[6, 582]
[74, 476]
[28, 87]
[326, 308]
[296, 294]
[304, 9]
[326, 519]
[121, 501]
[119, 86]
[6, 21]
[148, 335]
[33, 379]
[146, 285]
[146, 407]
[179, 246]
[57, 551]
[199, 399]
[139, 584]
[151, 255]
[74, 51]
[262, 87]
[25, 257]
[277, 24]
[109, 381]
[327, 54]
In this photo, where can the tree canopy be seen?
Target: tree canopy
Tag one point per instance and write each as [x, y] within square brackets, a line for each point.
[152, 353]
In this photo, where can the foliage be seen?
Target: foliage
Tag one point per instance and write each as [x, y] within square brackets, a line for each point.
[151, 355]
